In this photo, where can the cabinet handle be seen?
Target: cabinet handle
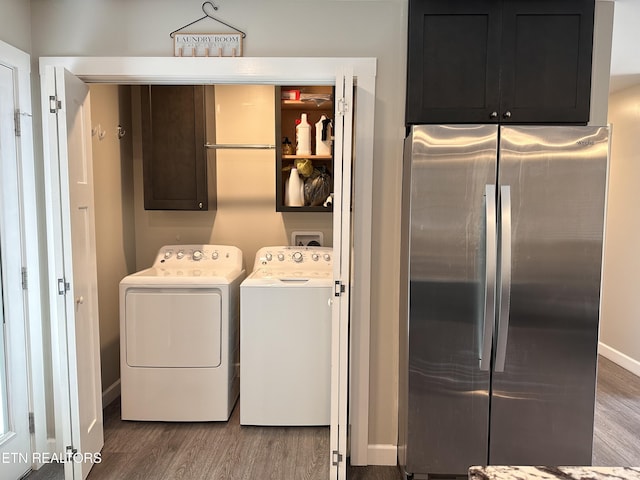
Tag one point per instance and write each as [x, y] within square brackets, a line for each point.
[200, 205]
[507, 114]
[493, 115]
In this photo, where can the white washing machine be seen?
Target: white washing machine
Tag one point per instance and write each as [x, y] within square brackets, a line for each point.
[179, 339]
[285, 338]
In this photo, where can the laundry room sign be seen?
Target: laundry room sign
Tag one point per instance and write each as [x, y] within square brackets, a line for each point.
[207, 45]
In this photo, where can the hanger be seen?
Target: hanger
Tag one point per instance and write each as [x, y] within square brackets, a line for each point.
[208, 15]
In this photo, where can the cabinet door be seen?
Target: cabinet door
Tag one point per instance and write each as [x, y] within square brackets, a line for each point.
[174, 155]
[546, 70]
[453, 61]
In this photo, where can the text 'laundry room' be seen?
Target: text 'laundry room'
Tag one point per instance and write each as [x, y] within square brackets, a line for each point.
[232, 298]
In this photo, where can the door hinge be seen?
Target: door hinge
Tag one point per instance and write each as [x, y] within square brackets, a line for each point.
[16, 117]
[336, 458]
[343, 106]
[24, 278]
[63, 286]
[54, 104]
[339, 288]
[71, 451]
[32, 423]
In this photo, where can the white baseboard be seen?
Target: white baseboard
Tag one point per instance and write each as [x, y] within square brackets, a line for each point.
[619, 358]
[51, 445]
[111, 393]
[382, 455]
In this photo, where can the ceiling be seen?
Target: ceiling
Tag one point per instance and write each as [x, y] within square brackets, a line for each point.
[625, 49]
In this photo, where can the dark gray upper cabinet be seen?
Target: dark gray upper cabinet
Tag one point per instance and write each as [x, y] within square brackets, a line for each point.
[174, 155]
[507, 61]
[453, 61]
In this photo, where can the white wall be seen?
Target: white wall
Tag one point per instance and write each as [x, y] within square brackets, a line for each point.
[357, 28]
[15, 24]
[625, 61]
[620, 323]
[115, 233]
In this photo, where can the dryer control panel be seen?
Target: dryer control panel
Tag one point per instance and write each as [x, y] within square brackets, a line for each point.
[309, 259]
[226, 256]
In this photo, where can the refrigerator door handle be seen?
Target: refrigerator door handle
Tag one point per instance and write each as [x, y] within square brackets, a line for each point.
[491, 252]
[505, 277]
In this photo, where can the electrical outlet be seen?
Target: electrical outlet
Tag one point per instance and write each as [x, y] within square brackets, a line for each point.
[307, 239]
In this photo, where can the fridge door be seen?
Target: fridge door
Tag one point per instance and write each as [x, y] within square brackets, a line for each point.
[444, 407]
[553, 185]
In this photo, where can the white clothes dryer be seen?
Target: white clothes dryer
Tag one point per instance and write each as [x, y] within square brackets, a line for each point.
[179, 339]
[285, 338]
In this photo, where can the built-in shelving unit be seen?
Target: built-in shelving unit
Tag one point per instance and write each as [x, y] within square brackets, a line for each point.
[315, 101]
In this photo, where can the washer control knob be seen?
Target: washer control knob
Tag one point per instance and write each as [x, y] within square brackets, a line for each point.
[315, 257]
[327, 257]
[214, 255]
[197, 255]
[281, 257]
[167, 254]
[297, 257]
[269, 257]
[180, 255]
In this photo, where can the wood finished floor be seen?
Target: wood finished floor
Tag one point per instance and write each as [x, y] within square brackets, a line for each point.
[190, 451]
[616, 440]
[143, 450]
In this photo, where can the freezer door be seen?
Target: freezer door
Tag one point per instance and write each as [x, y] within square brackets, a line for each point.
[444, 407]
[553, 184]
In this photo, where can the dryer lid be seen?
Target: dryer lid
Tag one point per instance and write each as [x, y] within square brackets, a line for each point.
[183, 276]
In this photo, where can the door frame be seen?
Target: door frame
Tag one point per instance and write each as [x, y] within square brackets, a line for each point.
[30, 253]
[283, 71]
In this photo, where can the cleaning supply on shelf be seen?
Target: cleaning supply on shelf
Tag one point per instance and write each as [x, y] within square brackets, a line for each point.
[287, 147]
[303, 136]
[304, 166]
[294, 190]
[317, 187]
[323, 136]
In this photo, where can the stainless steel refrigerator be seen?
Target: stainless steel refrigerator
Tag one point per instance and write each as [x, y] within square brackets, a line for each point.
[502, 258]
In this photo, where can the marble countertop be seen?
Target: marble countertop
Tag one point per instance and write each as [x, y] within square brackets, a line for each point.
[553, 473]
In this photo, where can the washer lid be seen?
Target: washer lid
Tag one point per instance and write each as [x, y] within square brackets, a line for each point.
[288, 278]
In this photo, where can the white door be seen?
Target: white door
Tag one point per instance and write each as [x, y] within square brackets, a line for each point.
[15, 440]
[343, 124]
[70, 220]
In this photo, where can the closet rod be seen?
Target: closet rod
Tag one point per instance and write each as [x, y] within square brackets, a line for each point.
[221, 146]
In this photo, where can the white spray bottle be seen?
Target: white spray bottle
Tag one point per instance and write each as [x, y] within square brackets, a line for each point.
[323, 136]
[303, 136]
